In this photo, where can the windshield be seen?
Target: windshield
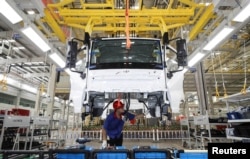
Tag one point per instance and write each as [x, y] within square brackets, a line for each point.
[112, 54]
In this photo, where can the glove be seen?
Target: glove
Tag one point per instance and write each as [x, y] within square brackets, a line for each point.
[104, 144]
[133, 121]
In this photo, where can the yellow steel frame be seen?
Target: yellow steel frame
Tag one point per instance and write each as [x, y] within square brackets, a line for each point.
[54, 25]
[205, 17]
[91, 17]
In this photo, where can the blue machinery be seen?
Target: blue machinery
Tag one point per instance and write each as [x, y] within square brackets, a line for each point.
[136, 153]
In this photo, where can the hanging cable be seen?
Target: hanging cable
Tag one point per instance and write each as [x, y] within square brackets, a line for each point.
[217, 94]
[128, 42]
[222, 77]
[244, 90]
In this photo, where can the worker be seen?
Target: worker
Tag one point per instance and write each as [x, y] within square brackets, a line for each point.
[114, 123]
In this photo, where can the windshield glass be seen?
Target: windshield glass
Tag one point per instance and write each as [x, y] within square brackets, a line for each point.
[112, 54]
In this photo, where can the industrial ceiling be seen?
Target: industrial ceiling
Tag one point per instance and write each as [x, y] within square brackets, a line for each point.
[226, 66]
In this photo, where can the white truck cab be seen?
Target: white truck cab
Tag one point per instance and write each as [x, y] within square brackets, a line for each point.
[137, 75]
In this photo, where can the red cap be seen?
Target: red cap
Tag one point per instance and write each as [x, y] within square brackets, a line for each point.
[118, 104]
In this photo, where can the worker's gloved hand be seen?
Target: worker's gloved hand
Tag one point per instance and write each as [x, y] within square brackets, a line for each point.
[104, 144]
[133, 121]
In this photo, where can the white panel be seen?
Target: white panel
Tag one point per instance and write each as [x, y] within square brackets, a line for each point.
[184, 121]
[16, 121]
[63, 122]
[77, 91]
[175, 91]
[200, 120]
[138, 80]
[41, 120]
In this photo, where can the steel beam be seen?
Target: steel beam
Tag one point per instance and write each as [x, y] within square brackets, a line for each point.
[31, 75]
[64, 12]
[113, 20]
[61, 3]
[206, 16]
[54, 26]
[108, 5]
[90, 16]
[21, 60]
[51, 91]
[201, 88]
[190, 3]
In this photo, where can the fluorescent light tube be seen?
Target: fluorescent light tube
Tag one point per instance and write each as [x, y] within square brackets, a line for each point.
[243, 14]
[15, 83]
[9, 41]
[29, 88]
[57, 59]
[9, 12]
[36, 38]
[218, 38]
[193, 61]
[18, 48]
[31, 12]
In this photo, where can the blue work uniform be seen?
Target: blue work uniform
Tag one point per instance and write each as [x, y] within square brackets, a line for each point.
[114, 126]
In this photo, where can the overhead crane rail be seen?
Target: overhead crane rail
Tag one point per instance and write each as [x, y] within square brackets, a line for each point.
[110, 18]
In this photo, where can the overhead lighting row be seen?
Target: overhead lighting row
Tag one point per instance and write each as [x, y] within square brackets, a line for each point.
[241, 16]
[39, 41]
[30, 31]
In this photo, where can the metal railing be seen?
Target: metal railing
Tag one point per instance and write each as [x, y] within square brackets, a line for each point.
[153, 134]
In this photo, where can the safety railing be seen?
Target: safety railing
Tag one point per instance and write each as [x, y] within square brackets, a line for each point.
[153, 134]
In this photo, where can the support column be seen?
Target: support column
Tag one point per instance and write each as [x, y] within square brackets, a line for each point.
[68, 115]
[51, 91]
[78, 120]
[18, 98]
[63, 110]
[201, 88]
[74, 120]
[210, 99]
[38, 103]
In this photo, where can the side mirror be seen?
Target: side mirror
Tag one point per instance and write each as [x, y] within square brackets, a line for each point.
[165, 38]
[71, 54]
[87, 38]
[181, 52]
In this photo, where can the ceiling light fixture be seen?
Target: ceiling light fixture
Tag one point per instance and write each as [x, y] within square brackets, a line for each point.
[194, 60]
[57, 59]
[31, 12]
[243, 14]
[19, 48]
[36, 38]
[9, 41]
[218, 38]
[9, 12]
[206, 4]
[17, 83]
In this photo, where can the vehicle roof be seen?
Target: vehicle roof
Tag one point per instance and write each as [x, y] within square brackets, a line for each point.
[109, 38]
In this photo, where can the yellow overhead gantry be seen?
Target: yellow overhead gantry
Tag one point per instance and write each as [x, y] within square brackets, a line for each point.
[110, 19]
